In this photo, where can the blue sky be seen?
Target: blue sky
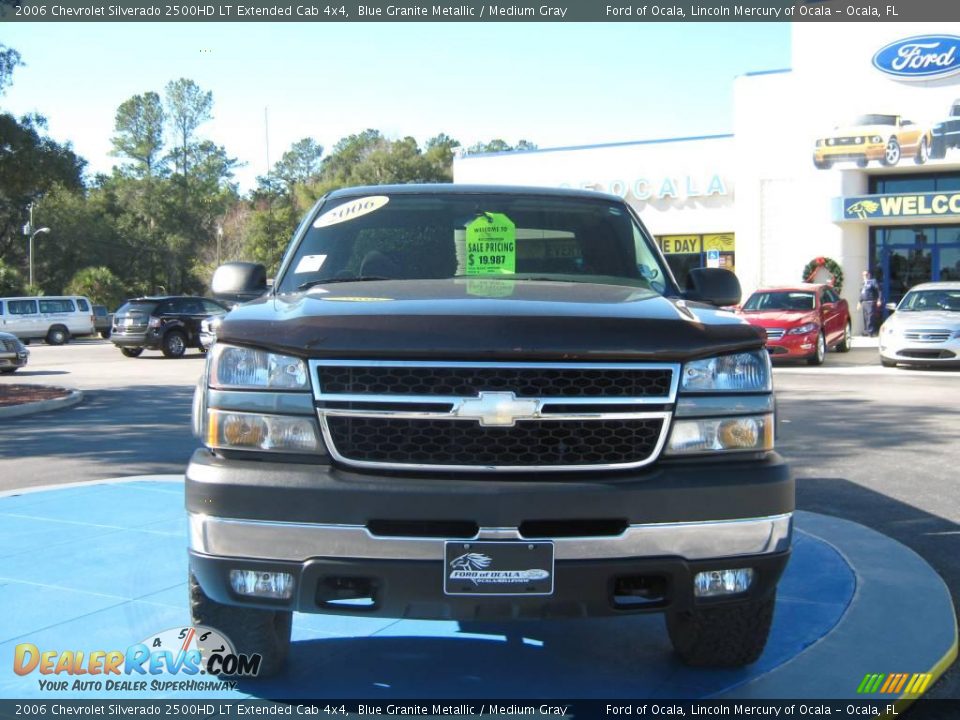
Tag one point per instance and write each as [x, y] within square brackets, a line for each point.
[554, 84]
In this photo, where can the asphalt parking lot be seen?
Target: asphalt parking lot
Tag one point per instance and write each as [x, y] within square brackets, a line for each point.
[874, 445]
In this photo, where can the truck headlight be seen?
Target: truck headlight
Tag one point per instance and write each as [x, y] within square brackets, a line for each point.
[227, 430]
[246, 368]
[740, 372]
[709, 435]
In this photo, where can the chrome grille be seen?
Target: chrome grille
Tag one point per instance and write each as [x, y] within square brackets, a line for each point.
[494, 416]
[775, 333]
[938, 335]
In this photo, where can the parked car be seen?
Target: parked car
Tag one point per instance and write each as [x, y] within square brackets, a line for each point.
[102, 320]
[13, 353]
[885, 138]
[170, 324]
[925, 328]
[463, 402]
[54, 319]
[801, 321]
[946, 133]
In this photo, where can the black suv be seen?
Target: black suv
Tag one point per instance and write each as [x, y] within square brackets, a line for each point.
[169, 324]
[485, 403]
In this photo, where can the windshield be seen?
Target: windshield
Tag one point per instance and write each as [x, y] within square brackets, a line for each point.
[876, 120]
[483, 236]
[799, 301]
[920, 300]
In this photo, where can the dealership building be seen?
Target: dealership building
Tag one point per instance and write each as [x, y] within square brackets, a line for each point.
[850, 159]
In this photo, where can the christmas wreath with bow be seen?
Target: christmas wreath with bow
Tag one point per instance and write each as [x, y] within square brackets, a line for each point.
[828, 264]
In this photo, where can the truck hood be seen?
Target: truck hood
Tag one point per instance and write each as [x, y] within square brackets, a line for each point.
[486, 319]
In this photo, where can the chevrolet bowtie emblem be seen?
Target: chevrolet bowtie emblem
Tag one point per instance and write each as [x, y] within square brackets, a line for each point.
[501, 409]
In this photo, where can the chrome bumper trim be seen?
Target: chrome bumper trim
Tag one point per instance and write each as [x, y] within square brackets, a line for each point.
[298, 542]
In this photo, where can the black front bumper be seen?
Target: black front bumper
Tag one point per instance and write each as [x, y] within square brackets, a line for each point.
[273, 497]
[414, 589]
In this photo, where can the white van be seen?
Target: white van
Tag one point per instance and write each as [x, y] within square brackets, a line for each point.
[54, 319]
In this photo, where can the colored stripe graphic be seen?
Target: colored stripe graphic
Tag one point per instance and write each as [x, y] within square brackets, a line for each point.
[894, 683]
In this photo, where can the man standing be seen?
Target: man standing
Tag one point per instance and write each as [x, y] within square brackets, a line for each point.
[869, 304]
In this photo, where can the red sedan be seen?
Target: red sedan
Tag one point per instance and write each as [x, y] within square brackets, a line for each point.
[801, 321]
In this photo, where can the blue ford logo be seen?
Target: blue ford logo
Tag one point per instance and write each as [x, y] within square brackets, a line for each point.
[920, 58]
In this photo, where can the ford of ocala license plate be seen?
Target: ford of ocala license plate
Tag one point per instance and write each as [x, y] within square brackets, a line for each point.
[498, 568]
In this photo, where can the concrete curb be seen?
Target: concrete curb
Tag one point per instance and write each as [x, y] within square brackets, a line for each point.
[73, 398]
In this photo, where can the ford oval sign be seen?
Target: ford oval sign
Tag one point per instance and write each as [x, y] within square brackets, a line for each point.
[920, 58]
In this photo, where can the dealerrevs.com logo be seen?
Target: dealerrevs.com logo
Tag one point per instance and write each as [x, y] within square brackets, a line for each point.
[169, 661]
[924, 57]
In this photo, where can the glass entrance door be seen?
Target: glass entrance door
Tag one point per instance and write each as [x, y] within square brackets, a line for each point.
[905, 266]
[949, 262]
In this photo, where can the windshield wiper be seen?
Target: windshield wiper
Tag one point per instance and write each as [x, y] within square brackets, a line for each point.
[325, 281]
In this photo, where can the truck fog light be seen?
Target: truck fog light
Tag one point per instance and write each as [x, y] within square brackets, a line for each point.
[276, 585]
[722, 582]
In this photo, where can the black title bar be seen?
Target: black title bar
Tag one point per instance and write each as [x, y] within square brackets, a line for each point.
[616, 11]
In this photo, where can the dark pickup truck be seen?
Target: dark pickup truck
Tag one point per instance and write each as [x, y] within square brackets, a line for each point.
[946, 133]
[482, 404]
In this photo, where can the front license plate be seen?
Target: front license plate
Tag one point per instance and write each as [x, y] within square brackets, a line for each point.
[498, 568]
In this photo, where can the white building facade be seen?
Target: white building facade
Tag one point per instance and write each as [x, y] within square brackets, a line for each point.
[850, 159]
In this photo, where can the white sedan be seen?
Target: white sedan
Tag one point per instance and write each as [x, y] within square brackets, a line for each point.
[925, 329]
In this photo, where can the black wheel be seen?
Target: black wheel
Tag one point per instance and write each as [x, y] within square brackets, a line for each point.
[862, 162]
[174, 344]
[923, 152]
[891, 154]
[846, 343]
[823, 164]
[105, 334]
[724, 636]
[887, 363]
[131, 352]
[820, 353]
[7, 371]
[57, 335]
[263, 632]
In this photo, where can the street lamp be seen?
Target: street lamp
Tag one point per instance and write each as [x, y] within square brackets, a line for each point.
[36, 232]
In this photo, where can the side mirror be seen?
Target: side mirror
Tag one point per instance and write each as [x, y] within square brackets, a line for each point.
[714, 286]
[239, 281]
[891, 306]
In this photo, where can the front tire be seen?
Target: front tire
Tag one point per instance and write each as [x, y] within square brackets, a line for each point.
[846, 343]
[252, 631]
[174, 344]
[8, 371]
[57, 335]
[723, 636]
[820, 353]
[923, 152]
[887, 363]
[891, 154]
[131, 352]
